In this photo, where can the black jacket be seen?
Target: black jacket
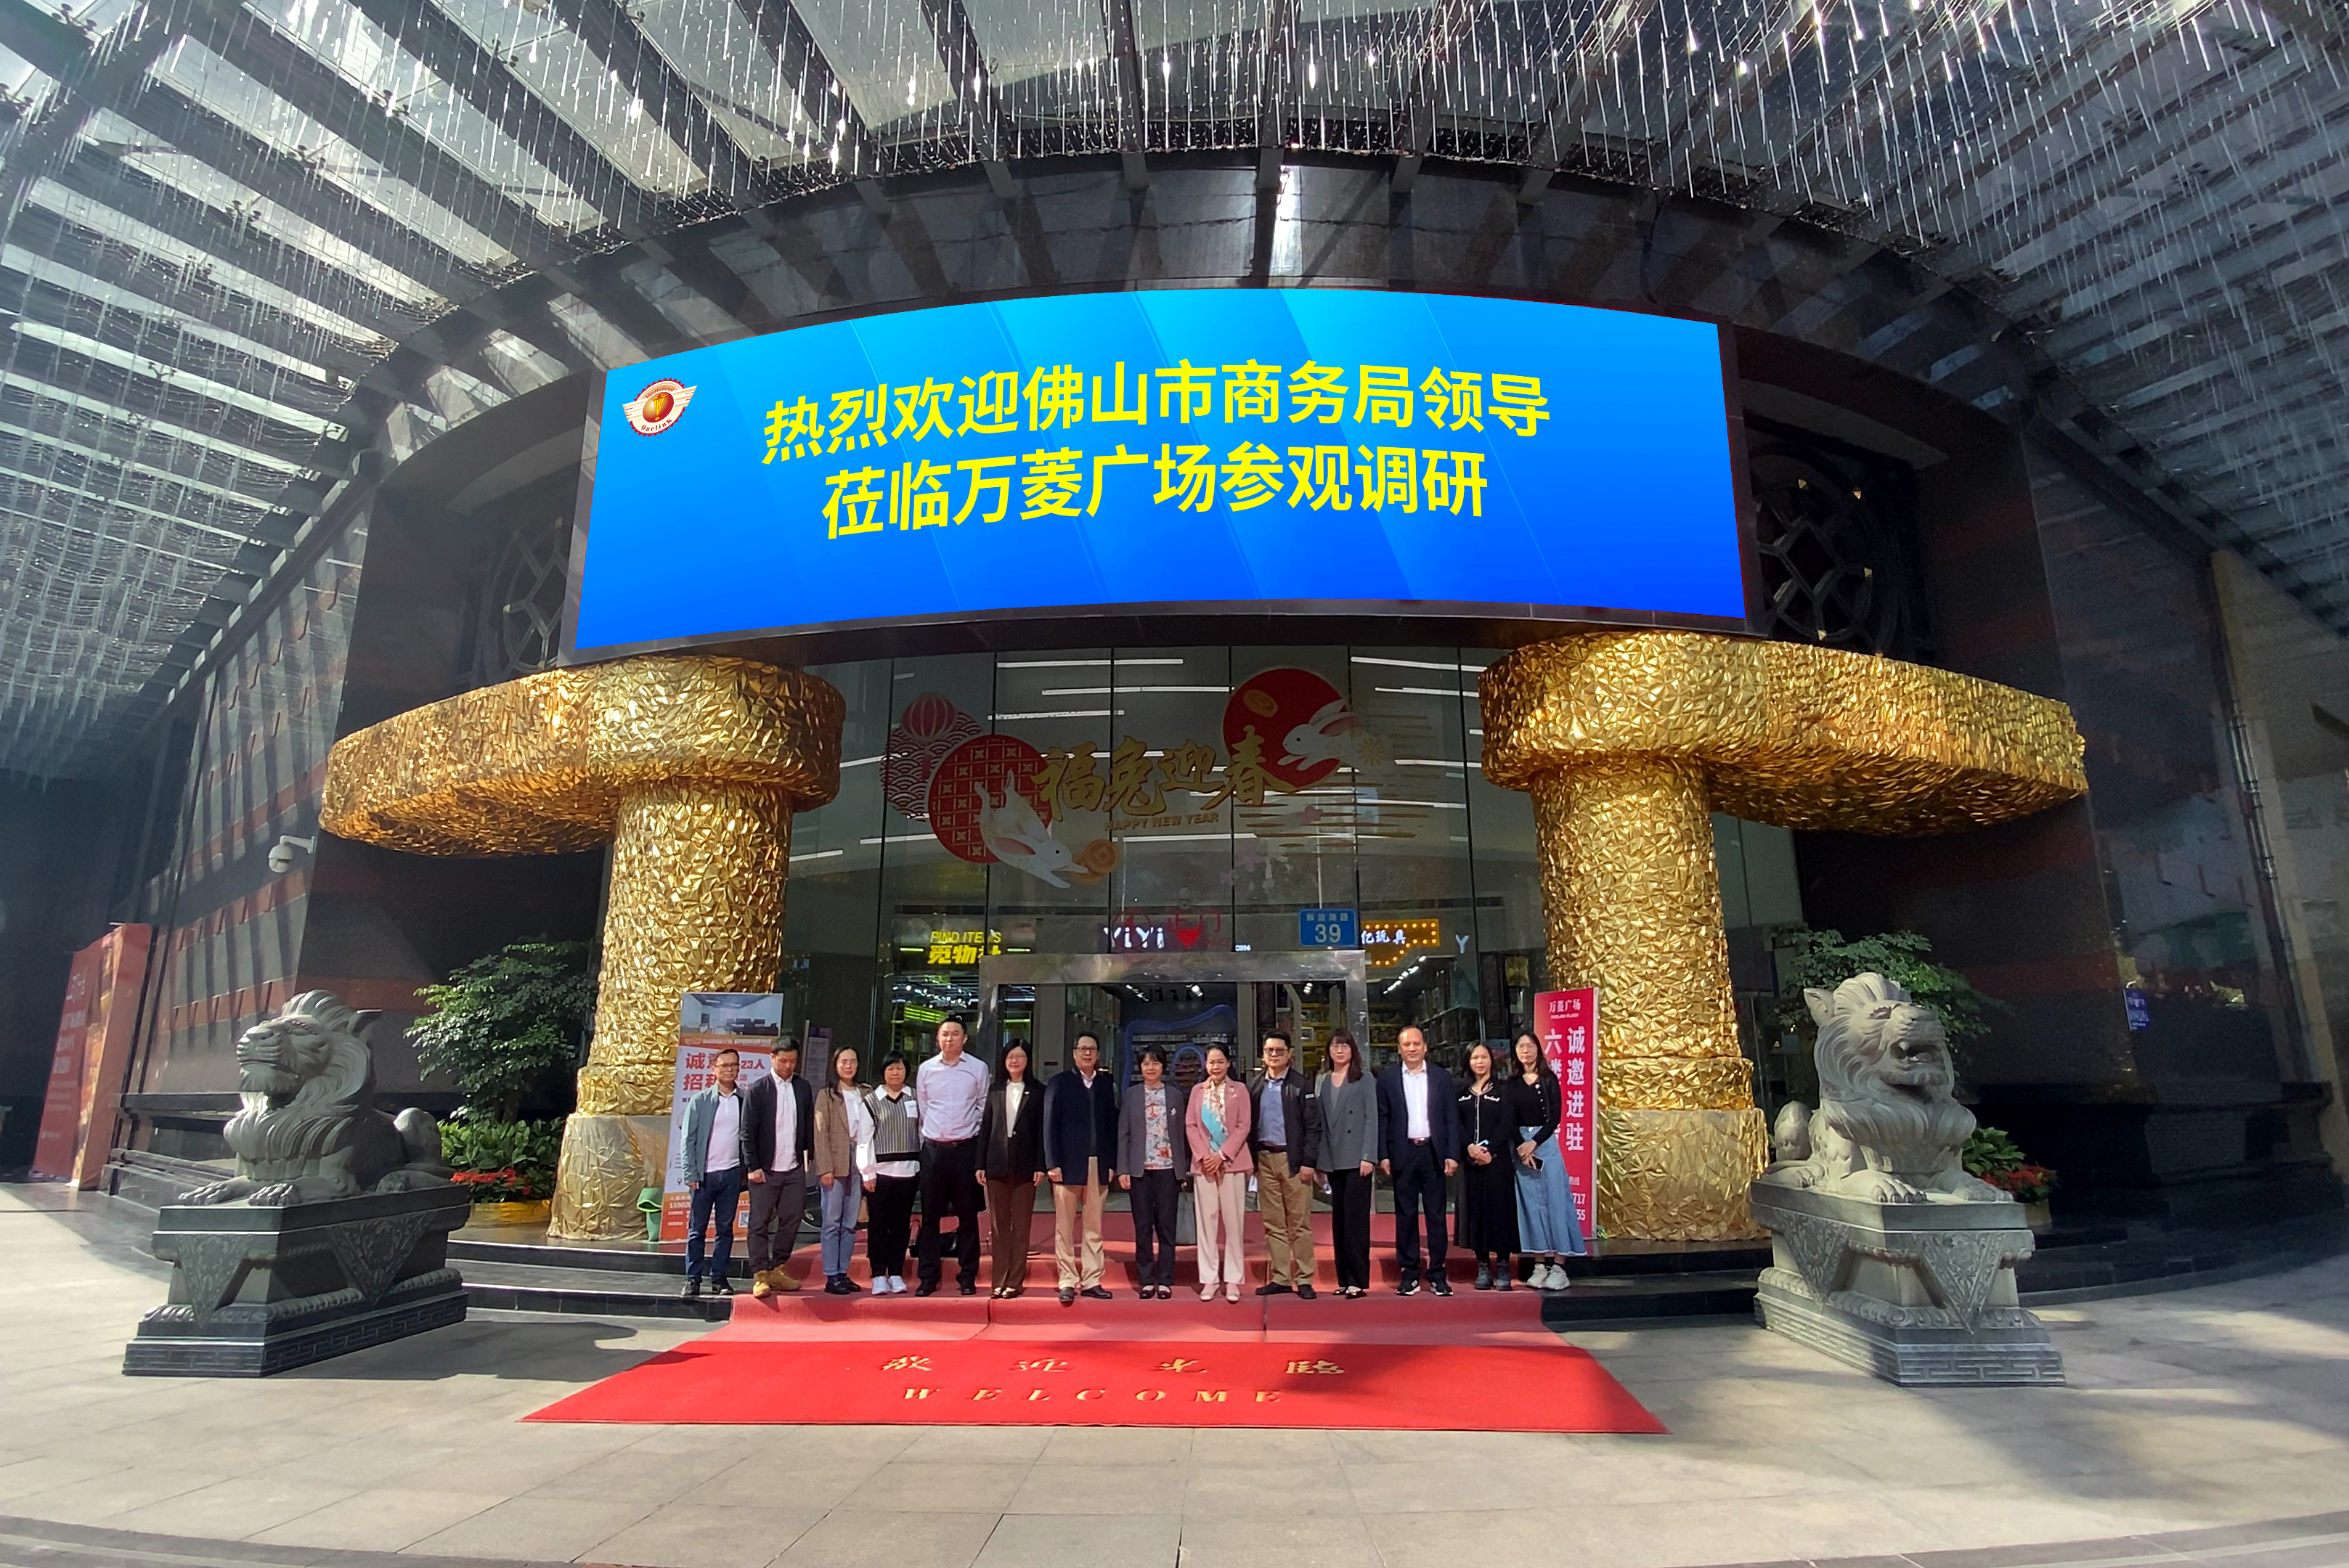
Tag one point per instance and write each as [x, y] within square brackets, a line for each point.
[1078, 1125]
[759, 1123]
[1013, 1153]
[1443, 1114]
[1300, 1116]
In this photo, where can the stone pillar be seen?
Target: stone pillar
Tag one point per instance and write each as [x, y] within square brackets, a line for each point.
[1631, 899]
[690, 768]
[1628, 741]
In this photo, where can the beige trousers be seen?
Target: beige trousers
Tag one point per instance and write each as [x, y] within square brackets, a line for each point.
[1220, 1208]
[1286, 1203]
[1069, 1198]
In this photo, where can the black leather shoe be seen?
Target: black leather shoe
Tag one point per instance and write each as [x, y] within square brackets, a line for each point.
[1272, 1287]
[1068, 1297]
[693, 1287]
[1096, 1293]
[969, 1287]
[1305, 1293]
[1484, 1276]
[1441, 1287]
[927, 1287]
[1408, 1287]
[721, 1285]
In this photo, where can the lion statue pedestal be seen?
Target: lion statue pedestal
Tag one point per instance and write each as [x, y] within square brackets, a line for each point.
[1885, 1253]
[334, 1233]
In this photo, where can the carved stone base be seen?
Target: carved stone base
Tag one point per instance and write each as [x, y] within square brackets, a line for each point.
[1918, 1293]
[606, 1162]
[257, 1291]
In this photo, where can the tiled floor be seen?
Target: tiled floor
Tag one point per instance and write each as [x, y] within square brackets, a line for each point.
[2227, 1406]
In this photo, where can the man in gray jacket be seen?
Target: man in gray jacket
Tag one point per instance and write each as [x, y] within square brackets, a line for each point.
[708, 1155]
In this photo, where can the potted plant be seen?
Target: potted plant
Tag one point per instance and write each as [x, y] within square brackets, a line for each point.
[508, 1028]
[1996, 1157]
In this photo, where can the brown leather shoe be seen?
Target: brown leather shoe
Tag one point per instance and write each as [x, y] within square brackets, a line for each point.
[760, 1286]
[780, 1279]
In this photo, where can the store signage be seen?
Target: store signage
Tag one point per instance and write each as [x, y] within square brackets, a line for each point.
[1386, 940]
[709, 1022]
[1567, 1025]
[1184, 450]
[1326, 928]
[92, 1056]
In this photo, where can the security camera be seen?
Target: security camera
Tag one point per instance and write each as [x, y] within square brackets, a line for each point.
[281, 854]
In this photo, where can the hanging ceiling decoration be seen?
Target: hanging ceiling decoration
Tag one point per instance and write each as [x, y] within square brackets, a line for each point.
[217, 219]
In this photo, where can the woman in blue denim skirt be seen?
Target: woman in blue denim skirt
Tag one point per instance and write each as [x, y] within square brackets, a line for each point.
[1547, 1230]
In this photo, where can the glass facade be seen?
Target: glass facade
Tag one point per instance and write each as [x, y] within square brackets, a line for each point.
[1177, 800]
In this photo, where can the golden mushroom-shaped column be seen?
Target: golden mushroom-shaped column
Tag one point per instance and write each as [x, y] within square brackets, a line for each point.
[1628, 742]
[690, 768]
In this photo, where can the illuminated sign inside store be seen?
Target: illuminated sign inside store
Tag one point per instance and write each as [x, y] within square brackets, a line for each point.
[1177, 449]
[1386, 940]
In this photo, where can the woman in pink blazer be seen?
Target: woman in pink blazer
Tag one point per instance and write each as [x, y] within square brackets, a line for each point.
[1218, 1124]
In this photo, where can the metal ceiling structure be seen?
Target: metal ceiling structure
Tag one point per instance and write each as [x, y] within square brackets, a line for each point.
[249, 255]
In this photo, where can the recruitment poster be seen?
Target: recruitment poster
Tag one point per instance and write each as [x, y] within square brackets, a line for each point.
[1569, 1024]
[709, 1022]
[93, 1054]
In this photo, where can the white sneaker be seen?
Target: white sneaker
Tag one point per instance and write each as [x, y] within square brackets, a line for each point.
[1558, 1278]
[896, 1284]
[880, 1284]
[1207, 1292]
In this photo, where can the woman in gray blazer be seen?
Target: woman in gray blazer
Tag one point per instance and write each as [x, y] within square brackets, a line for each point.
[1349, 1154]
[1153, 1152]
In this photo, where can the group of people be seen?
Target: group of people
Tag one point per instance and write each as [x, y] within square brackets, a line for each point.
[956, 1127]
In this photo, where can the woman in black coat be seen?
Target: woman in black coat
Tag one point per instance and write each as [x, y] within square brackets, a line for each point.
[1011, 1157]
[1488, 1183]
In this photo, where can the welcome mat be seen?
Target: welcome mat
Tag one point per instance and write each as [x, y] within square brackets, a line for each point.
[990, 1382]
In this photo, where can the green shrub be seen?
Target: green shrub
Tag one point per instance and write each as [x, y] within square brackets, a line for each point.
[507, 1025]
[1823, 960]
[502, 1162]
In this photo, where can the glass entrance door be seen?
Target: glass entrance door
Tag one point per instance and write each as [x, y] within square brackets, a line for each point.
[1184, 1002]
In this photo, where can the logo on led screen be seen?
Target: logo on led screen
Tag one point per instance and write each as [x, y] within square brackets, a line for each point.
[658, 407]
[1249, 420]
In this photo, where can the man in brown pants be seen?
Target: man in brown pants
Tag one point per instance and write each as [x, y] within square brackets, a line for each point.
[1283, 1134]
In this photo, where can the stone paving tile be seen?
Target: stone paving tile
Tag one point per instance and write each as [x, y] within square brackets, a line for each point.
[738, 1535]
[552, 1527]
[849, 1537]
[380, 1519]
[1212, 1542]
[1041, 1540]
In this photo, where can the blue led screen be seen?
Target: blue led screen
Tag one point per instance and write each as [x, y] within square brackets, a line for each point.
[1244, 449]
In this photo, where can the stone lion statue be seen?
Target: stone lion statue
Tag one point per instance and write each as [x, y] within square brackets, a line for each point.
[1887, 1130]
[309, 1130]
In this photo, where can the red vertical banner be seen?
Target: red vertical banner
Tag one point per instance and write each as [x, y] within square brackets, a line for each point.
[93, 1053]
[1568, 1022]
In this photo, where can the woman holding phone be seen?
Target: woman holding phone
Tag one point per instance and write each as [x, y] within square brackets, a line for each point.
[1546, 1226]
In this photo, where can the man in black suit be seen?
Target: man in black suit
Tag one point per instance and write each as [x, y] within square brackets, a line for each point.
[1419, 1143]
[778, 1146]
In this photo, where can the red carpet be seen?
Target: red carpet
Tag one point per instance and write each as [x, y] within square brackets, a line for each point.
[1231, 1381]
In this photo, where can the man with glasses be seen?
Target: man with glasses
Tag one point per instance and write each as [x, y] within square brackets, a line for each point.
[1283, 1135]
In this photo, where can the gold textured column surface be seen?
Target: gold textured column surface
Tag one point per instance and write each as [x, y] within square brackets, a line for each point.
[690, 768]
[697, 904]
[1628, 741]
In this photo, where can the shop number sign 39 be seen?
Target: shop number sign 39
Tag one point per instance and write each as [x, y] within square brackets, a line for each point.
[1325, 928]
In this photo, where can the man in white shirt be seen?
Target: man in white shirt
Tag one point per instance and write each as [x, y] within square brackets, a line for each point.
[1419, 1141]
[709, 1157]
[779, 1144]
[951, 1092]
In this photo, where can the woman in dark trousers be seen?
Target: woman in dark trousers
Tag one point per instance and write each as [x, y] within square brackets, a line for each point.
[1488, 1189]
[1011, 1157]
[1546, 1226]
[891, 1164]
[1153, 1150]
[1349, 1154]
